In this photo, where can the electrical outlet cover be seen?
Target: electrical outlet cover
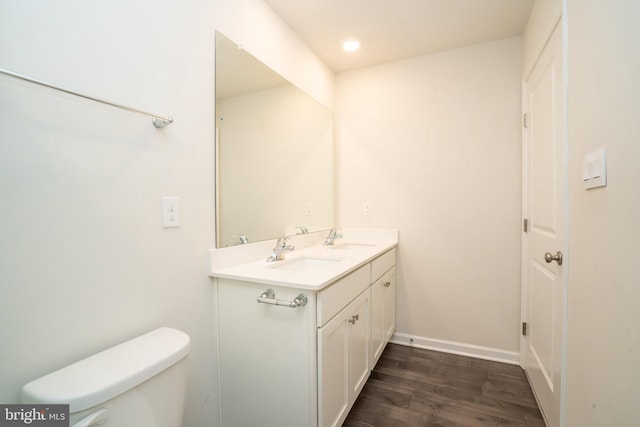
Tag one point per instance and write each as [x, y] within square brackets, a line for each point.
[170, 212]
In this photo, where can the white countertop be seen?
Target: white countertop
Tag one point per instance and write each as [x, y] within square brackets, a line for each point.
[313, 267]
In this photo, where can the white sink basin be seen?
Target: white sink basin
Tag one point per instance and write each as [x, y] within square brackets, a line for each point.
[305, 263]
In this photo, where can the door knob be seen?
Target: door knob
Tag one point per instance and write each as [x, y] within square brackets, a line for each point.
[557, 257]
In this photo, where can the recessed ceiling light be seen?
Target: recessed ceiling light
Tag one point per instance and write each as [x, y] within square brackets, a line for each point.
[351, 45]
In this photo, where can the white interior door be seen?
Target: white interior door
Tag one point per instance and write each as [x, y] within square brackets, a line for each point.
[545, 209]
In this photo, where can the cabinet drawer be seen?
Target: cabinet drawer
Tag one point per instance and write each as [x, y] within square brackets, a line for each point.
[335, 297]
[382, 264]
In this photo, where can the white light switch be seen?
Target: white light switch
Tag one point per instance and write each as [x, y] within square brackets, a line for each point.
[594, 169]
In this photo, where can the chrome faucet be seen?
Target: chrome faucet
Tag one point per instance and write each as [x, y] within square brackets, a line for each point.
[303, 230]
[280, 249]
[243, 239]
[331, 238]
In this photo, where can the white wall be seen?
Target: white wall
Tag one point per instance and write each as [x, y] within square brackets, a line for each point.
[85, 263]
[604, 272]
[434, 143]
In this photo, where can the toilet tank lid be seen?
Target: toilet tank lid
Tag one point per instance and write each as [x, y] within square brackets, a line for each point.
[111, 372]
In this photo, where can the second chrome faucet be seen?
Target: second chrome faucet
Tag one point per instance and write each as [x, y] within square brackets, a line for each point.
[280, 249]
[331, 238]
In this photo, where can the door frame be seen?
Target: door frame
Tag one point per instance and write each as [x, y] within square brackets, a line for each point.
[524, 309]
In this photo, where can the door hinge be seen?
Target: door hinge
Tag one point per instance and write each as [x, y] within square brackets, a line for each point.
[524, 328]
[525, 225]
[525, 122]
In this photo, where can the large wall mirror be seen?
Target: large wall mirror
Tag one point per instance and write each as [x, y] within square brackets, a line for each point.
[274, 153]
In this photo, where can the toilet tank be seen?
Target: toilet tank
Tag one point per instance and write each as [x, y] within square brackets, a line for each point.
[139, 383]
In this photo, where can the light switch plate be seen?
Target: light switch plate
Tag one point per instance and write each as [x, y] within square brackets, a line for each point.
[594, 169]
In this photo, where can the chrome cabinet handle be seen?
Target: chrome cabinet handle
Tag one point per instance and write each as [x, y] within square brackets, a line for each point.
[557, 257]
[354, 318]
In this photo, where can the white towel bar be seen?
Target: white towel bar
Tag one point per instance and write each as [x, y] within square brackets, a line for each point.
[158, 121]
[269, 297]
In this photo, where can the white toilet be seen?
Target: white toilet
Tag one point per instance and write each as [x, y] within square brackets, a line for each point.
[139, 383]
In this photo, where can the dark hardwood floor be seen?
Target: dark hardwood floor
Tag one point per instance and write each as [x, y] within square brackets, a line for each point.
[415, 387]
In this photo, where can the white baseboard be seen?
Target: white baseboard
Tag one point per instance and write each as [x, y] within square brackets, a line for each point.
[479, 352]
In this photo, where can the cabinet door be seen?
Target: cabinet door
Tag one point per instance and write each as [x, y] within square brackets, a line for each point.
[358, 345]
[389, 304]
[343, 361]
[383, 318]
[377, 321]
[333, 399]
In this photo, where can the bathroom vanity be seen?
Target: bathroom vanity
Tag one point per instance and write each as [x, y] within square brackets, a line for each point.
[298, 338]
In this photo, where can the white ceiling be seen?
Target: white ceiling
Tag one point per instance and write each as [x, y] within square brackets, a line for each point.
[390, 30]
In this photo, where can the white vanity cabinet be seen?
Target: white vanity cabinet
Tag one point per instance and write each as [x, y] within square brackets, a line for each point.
[303, 366]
